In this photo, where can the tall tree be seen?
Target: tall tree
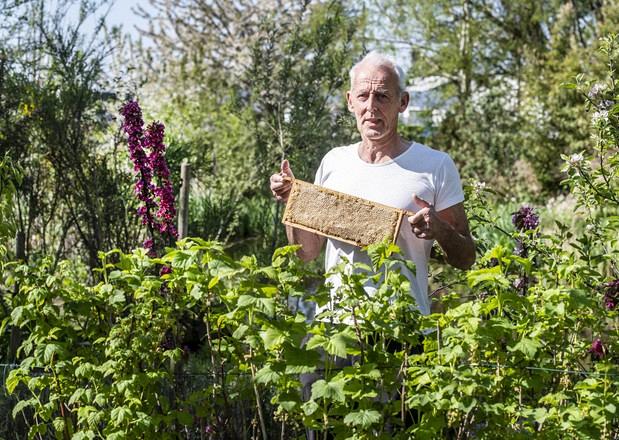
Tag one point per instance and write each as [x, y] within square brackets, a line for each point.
[73, 199]
[255, 81]
[501, 64]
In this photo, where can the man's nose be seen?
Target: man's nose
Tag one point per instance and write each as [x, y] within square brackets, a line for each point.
[372, 101]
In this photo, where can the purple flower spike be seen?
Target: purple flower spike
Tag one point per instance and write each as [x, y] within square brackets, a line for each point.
[525, 219]
[153, 139]
[153, 187]
[597, 350]
[611, 295]
[133, 127]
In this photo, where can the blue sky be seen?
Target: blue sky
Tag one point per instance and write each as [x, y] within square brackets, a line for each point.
[121, 14]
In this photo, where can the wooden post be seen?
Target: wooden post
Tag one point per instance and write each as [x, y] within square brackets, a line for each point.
[183, 211]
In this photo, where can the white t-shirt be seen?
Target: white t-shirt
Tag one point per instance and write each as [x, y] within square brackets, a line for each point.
[419, 170]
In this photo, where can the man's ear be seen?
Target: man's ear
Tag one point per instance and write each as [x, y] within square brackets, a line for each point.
[349, 102]
[404, 99]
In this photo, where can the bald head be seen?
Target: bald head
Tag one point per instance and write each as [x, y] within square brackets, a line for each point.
[377, 59]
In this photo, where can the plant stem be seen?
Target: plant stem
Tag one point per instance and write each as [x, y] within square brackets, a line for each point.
[263, 427]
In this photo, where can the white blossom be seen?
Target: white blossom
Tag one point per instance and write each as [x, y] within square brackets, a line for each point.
[596, 90]
[598, 116]
[479, 186]
[576, 159]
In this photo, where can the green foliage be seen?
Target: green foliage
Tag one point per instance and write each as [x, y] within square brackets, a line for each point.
[499, 66]
[103, 360]
[529, 350]
[10, 177]
[240, 98]
[74, 197]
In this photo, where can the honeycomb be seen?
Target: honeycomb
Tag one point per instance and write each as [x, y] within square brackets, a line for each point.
[341, 216]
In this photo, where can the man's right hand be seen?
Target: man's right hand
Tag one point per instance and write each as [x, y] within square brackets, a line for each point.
[282, 182]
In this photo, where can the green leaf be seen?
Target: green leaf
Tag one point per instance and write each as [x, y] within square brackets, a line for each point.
[76, 396]
[540, 415]
[266, 306]
[17, 316]
[332, 390]
[58, 424]
[246, 301]
[120, 414]
[15, 377]
[197, 292]
[310, 407]
[117, 297]
[300, 361]
[184, 418]
[50, 351]
[363, 418]
[338, 343]
[266, 375]
[84, 370]
[316, 341]
[20, 405]
[491, 275]
[84, 413]
[527, 346]
[272, 338]
[288, 405]
[5, 321]
[213, 282]
[240, 331]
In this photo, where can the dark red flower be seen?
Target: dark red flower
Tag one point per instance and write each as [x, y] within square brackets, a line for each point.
[166, 214]
[165, 270]
[525, 219]
[597, 350]
[153, 187]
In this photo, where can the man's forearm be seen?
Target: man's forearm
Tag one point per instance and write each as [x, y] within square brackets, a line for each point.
[459, 249]
[311, 243]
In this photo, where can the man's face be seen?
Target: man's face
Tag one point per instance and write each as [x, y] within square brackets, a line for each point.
[376, 102]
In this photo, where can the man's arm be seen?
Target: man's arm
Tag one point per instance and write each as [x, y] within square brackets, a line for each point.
[311, 243]
[455, 238]
[450, 228]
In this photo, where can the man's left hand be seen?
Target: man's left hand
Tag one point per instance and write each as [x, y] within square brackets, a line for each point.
[449, 228]
[425, 222]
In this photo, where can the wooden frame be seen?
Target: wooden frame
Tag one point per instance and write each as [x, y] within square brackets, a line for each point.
[340, 216]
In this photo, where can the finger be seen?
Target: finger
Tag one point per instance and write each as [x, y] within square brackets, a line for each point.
[277, 178]
[419, 233]
[417, 219]
[421, 202]
[279, 188]
[285, 168]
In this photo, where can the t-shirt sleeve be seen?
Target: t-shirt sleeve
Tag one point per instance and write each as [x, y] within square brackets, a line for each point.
[448, 186]
[319, 179]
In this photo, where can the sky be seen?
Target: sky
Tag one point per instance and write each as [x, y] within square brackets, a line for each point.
[121, 14]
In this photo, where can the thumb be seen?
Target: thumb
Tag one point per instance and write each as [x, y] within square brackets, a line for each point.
[421, 202]
[285, 168]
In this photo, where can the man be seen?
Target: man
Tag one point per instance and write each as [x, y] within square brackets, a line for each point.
[385, 168]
